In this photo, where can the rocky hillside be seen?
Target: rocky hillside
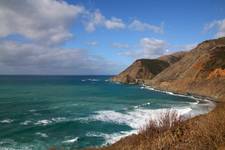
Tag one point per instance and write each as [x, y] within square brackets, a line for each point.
[200, 71]
[172, 58]
[144, 69]
[141, 69]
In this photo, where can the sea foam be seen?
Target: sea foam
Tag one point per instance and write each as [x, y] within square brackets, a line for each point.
[8, 121]
[70, 140]
[111, 138]
[138, 117]
[44, 135]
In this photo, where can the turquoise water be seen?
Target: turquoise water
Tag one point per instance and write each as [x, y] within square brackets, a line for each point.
[74, 112]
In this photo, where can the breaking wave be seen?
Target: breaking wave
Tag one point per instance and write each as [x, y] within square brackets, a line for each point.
[7, 121]
[138, 117]
[70, 140]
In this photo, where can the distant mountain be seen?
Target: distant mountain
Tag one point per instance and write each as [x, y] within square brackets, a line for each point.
[200, 71]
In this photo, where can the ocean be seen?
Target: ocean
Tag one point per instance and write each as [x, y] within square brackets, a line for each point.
[75, 112]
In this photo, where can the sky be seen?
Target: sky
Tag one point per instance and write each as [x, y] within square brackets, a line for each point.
[100, 37]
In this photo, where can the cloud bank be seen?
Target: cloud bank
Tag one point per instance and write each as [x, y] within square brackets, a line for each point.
[96, 19]
[46, 24]
[218, 25]
[43, 21]
[142, 26]
[35, 59]
[147, 48]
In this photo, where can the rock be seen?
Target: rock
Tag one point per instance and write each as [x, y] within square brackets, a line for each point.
[200, 71]
[140, 70]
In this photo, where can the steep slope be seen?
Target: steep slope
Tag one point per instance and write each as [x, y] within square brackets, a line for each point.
[201, 71]
[143, 69]
[172, 58]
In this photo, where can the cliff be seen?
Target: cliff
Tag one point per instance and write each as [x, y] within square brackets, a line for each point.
[144, 69]
[200, 71]
[141, 69]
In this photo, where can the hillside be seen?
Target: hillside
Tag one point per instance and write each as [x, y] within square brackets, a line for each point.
[200, 71]
[144, 69]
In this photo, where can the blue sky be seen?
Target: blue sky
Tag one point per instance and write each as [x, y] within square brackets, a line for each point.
[100, 36]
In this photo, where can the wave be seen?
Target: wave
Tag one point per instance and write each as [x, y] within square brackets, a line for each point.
[71, 140]
[58, 119]
[10, 144]
[7, 121]
[32, 110]
[45, 122]
[194, 103]
[90, 79]
[44, 135]
[93, 80]
[167, 92]
[27, 122]
[137, 118]
[198, 100]
[111, 138]
[142, 87]
[142, 105]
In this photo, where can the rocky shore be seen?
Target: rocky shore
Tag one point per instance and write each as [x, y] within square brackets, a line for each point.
[201, 72]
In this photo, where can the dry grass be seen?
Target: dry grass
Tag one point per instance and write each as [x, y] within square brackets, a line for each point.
[167, 121]
[205, 132]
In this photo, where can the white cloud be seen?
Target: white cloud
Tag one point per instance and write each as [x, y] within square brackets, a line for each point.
[218, 25]
[141, 26]
[114, 23]
[92, 43]
[148, 48]
[44, 21]
[46, 24]
[18, 58]
[96, 19]
[186, 47]
[120, 45]
[152, 47]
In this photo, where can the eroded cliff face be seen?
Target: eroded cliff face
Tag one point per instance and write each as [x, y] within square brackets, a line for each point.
[146, 69]
[141, 69]
[200, 71]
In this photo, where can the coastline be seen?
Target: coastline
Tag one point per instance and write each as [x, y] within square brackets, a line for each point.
[198, 73]
[190, 123]
[198, 98]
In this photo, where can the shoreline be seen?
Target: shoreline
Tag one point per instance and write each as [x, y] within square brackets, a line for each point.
[198, 98]
[214, 107]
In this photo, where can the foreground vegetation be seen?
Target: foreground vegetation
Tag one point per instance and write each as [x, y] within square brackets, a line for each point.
[172, 132]
[200, 71]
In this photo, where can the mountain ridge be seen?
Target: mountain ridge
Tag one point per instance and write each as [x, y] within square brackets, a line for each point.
[199, 71]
